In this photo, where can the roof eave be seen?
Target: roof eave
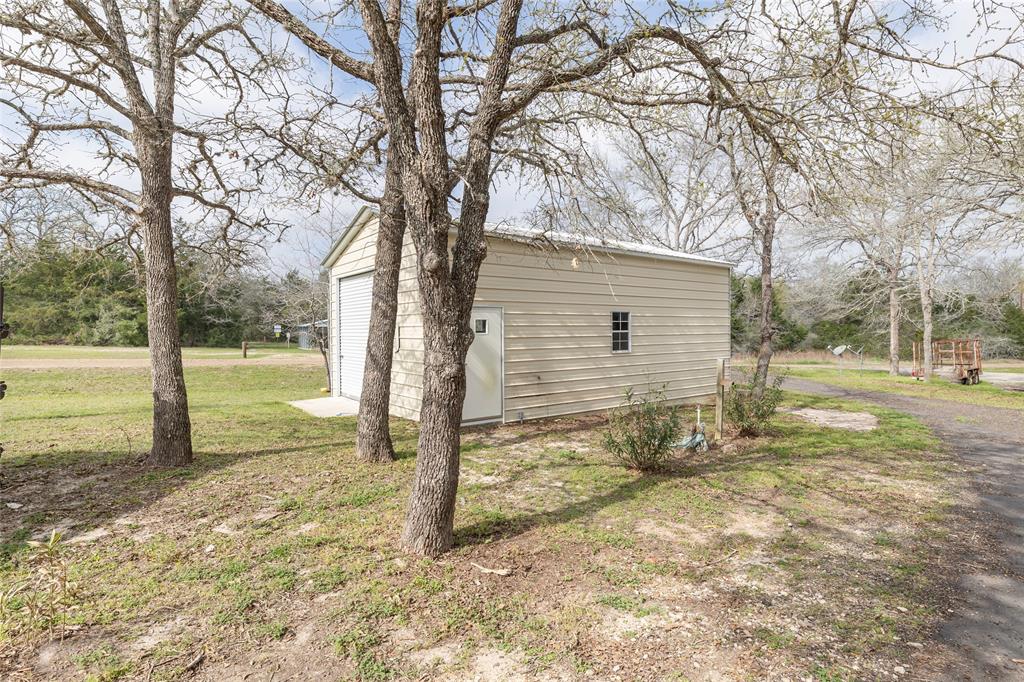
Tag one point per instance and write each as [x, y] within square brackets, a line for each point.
[682, 257]
[607, 248]
[362, 216]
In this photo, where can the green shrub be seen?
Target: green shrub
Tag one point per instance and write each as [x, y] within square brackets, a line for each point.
[750, 413]
[642, 429]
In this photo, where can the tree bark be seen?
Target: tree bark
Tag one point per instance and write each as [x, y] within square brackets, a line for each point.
[926, 341]
[446, 305]
[767, 222]
[765, 348]
[925, 279]
[894, 328]
[321, 344]
[446, 301]
[172, 428]
[430, 519]
[373, 435]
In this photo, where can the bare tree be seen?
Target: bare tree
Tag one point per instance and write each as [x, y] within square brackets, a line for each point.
[495, 85]
[373, 435]
[300, 300]
[58, 215]
[334, 140]
[659, 184]
[959, 212]
[869, 223]
[916, 216]
[112, 75]
[472, 70]
[760, 186]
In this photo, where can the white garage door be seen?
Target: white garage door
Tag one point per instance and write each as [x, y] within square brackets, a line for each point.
[354, 297]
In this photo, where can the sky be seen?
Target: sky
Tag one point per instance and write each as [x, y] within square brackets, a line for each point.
[310, 233]
[953, 38]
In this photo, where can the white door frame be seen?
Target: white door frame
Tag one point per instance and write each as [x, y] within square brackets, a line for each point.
[337, 314]
[501, 316]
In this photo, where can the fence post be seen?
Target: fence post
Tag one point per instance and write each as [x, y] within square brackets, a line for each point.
[245, 349]
[720, 399]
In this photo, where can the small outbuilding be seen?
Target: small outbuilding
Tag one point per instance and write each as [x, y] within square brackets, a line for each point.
[563, 325]
[306, 334]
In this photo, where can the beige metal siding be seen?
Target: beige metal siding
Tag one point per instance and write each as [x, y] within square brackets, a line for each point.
[407, 364]
[406, 383]
[557, 312]
[557, 324]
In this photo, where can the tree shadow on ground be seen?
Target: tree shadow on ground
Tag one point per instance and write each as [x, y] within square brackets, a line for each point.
[505, 527]
[101, 487]
[713, 464]
[518, 434]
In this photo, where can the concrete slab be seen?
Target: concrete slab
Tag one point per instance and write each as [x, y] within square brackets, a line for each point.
[328, 407]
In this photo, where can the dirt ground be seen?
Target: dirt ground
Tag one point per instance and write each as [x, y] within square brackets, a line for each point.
[987, 625]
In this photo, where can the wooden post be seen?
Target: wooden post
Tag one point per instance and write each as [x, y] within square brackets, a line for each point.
[245, 349]
[720, 400]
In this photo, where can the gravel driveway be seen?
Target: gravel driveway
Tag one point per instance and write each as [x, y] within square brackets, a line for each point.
[988, 625]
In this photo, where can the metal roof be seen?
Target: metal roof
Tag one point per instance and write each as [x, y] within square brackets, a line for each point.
[539, 237]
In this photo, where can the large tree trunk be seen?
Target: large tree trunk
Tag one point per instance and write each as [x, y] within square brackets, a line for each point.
[373, 437]
[894, 329]
[172, 429]
[417, 129]
[764, 349]
[321, 344]
[429, 522]
[926, 341]
[925, 270]
[767, 330]
[446, 304]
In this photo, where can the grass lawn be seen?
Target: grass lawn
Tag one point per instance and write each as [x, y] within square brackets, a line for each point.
[256, 350]
[938, 388]
[812, 553]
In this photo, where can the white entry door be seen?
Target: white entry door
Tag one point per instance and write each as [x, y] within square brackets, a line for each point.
[484, 380]
[354, 297]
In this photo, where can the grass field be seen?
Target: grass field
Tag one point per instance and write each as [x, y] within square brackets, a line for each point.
[939, 388]
[811, 553]
[256, 350]
[823, 359]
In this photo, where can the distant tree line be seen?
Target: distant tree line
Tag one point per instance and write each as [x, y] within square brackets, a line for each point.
[807, 318]
[746, 299]
[74, 295]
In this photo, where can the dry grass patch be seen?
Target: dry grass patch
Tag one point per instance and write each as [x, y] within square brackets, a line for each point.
[939, 388]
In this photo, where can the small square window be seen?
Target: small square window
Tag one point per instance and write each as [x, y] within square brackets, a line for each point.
[620, 332]
[480, 326]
